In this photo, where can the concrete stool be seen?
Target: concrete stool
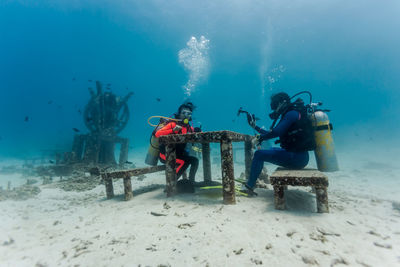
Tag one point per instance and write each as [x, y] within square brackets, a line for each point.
[282, 177]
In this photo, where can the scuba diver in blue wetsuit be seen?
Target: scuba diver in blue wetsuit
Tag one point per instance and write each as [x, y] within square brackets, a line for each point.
[295, 132]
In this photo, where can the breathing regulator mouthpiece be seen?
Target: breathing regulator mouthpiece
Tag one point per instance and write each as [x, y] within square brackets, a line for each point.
[273, 115]
[185, 121]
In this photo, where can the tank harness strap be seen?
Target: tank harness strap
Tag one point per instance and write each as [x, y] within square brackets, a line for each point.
[324, 127]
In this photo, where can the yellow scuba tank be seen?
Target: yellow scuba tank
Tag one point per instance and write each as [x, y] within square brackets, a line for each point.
[325, 149]
[153, 152]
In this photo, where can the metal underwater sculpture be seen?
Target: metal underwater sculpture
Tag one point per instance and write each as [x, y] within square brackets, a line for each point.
[105, 115]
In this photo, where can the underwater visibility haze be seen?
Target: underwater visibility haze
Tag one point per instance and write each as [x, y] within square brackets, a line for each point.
[221, 55]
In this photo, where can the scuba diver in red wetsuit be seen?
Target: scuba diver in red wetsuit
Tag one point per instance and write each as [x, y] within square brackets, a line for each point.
[181, 126]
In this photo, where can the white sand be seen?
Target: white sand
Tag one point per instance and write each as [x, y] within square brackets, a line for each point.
[59, 228]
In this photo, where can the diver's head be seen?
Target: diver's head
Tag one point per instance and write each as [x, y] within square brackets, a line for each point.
[185, 111]
[279, 103]
[279, 99]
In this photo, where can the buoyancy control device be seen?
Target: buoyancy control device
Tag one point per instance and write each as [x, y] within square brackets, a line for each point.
[153, 151]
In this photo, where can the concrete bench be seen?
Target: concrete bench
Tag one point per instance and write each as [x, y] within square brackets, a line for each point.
[281, 178]
[126, 175]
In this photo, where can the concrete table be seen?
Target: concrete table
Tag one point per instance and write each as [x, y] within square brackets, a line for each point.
[225, 138]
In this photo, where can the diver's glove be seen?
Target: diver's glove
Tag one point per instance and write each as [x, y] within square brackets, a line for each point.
[177, 129]
[257, 140]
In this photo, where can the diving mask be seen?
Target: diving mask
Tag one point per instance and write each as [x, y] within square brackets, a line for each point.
[278, 109]
[186, 116]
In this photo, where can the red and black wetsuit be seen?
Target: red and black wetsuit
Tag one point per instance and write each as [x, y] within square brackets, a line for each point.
[183, 159]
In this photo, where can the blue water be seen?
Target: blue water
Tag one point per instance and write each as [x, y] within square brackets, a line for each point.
[345, 52]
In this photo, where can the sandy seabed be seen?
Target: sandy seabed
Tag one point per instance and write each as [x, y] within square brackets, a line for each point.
[64, 228]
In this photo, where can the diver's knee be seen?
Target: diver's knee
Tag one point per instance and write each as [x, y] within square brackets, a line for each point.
[258, 154]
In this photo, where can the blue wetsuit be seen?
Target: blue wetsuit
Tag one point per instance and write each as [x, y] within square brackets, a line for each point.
[277, 156]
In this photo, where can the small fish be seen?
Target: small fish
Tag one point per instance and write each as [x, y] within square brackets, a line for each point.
[80, 111]
[26, 118]
[108, 84]
[90, 81]
[108, 88]
[59, 106]
[127, 88]
[51, 161]
[74, 79]
[50, 102]
[128, 162]
[76, 130]
[89, 119]
[158, 99]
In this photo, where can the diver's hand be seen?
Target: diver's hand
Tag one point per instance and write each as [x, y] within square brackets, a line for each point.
[257, 140]
[197, 129]
[251, 121]
[252, 124]
[177, 129]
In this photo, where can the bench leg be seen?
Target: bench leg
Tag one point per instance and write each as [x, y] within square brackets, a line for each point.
[128, 188]
[279, 197]
[228, 177]
[322, 199]
[109, 187]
